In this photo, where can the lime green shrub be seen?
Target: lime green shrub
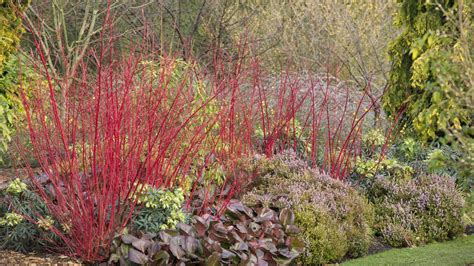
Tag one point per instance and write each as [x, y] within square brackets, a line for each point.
[388, 166]
[334, 218]
[432, 77]
[11, 30]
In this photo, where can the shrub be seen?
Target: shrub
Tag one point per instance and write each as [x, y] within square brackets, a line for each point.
[122, 121]
[11, 30]
[432, 77]
[334, 219]
[116, 129]
[325, 238]
[416, 211]
[158, 209]
[242, 235]
[389, 167]
[421, 157]
[20, 233]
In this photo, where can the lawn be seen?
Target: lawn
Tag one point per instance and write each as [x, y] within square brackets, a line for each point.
[456, 252]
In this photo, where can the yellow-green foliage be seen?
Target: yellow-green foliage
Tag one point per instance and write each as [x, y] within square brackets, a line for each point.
[387, 167]
[432, 74]
[162, 209]
[11, 28]
[324, 236]
[11, 219]
[374, 137]
[16, 187]
[45, 223]
[334, 218]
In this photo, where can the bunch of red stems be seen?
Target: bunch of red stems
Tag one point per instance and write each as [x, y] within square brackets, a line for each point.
[120, 121]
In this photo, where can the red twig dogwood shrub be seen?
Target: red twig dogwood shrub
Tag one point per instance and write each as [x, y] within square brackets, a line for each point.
[318, 116]
[125, 121]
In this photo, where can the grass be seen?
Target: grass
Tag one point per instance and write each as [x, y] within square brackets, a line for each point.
[456, 252]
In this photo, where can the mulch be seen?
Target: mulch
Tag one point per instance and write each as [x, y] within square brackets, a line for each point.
[8, 174]
[378, 246]
[14, 258]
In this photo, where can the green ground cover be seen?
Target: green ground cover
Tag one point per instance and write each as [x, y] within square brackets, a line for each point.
[456, 252]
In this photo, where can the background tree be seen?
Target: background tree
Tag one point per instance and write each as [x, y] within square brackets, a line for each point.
[348, 38]
[11, 30]
[432, 75]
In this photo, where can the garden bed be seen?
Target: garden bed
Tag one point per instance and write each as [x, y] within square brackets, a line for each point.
[133, 154]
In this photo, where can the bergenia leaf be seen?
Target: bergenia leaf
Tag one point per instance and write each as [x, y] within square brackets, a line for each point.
[141, 244]
[161, 258]
[128, 239]
[265, 214]
[287, 217]
[193, 246]
[214, 260]
[185, 228]
[137, 257]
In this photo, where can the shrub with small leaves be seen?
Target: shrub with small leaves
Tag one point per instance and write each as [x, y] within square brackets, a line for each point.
[388, 167]
[409, 149]
[366, 171]
[436, 160]
[333, 217]
[373, 140]
[416, 211]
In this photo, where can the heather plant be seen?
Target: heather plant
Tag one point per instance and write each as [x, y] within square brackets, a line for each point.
[411, 206]
[334, 218]
[416, 211]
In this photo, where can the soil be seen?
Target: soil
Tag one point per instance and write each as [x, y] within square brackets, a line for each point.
[14, 258]
[378, 246]
[7, 174]
[469, 229]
